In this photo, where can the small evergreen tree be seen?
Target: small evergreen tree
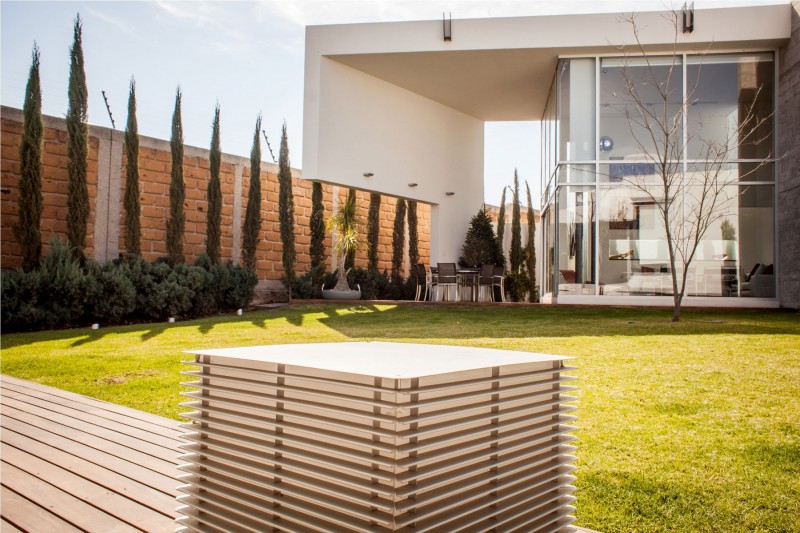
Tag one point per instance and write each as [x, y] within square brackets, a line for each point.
[501, 223]
[27, 230]
[214, 213]
[350, 257]
[373, 229]
[530, 256]
[398, 239]
[515, 254]
[133, 229]
[77, 146]
[480, 245]
[252, 216]
[177, 188]
[413, 234]
[286, 210]
[317, 249]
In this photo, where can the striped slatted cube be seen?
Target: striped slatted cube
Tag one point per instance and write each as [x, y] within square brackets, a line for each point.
[377, 436]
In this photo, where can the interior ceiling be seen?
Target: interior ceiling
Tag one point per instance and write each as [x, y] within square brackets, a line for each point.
[491, 85]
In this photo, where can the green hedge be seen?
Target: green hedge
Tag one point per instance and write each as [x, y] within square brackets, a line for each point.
[374, 285]
[63, 292]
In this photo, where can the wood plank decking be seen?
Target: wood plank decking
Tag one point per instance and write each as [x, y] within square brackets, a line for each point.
[72, 463]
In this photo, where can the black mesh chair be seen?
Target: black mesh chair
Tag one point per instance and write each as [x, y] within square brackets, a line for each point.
[447, 278]
[498, 280]
[486, 279]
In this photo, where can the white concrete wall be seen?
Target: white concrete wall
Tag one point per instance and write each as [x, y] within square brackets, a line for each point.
[366, 125]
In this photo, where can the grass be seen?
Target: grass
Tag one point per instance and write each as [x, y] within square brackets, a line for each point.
[693, 426]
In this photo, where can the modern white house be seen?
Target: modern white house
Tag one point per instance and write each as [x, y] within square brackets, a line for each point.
[399, 108]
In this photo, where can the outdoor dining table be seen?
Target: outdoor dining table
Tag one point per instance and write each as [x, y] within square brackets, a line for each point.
[466, 290]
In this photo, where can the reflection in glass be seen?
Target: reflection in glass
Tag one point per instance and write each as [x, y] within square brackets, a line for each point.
[576, 173]
[576, 265]
[576, 121]
[640, 103]
[730, 106]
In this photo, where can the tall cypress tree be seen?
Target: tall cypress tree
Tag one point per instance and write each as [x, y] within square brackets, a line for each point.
[350, 260]
[317, 222]
[77, 146]
[133, 229]
[515, 255]
[252, 215]
[177, 188]
[286, 209]
[214, 213]
[533, 295]
[501, 224]
[373, 229]
[398, 239]
[413, 234]
[27, 230]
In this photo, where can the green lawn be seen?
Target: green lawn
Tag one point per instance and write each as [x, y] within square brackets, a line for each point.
[692, 426]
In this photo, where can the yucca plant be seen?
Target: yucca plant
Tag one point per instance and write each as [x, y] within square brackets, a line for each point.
[345, 225]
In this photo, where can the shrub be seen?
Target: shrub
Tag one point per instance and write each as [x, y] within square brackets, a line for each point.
[113, 296]
[480, 244]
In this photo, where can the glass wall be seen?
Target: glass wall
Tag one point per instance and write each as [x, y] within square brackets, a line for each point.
[688, 140]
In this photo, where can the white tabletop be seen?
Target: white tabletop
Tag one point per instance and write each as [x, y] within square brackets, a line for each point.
[382, 359]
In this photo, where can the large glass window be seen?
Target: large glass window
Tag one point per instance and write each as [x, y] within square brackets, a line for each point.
[730, 106]
[640, 105]
[576, 120]
[576, 265]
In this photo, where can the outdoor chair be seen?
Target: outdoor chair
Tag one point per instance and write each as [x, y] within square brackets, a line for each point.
[486, 279]
[423, 282]
[447, 278]
[499, 281]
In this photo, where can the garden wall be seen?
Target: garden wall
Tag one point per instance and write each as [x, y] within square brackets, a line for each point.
[106, 180]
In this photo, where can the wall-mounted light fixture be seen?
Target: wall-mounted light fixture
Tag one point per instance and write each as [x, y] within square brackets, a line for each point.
[606, 144]
[449, 193]
[688, 17]
[368, 174]
[413, 184]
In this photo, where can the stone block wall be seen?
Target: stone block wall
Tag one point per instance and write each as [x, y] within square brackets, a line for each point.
[788, 183]
[106, 179]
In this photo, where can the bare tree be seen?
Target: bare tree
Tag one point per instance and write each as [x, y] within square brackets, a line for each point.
[688, 198]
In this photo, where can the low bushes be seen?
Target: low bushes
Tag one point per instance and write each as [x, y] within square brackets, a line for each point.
[374, 285]
[63, 292]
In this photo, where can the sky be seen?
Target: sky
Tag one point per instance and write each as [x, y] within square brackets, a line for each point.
[245, 55]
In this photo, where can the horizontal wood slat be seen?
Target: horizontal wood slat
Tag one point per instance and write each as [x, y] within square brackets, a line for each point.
[273, 445]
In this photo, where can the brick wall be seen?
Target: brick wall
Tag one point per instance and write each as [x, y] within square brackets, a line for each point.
[788, 183]
[106, 179]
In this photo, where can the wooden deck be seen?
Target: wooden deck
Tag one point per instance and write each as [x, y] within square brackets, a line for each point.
[72, 463]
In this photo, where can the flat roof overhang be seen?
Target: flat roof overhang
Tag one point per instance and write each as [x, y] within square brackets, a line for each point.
[501, 69]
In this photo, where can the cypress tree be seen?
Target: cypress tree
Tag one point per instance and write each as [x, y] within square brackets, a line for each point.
[350, 260]
[286, 209]
[398, 238]
[317, 222]
[133, 230]
[515, 255]
[28, 230]
[501, 224]
[533, 295]
[214, 213]
[77, 146]
[177, 188]
[413, 234]
[252, 216]
[373, 229]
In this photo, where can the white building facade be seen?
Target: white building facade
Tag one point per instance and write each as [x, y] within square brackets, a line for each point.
[399, 108]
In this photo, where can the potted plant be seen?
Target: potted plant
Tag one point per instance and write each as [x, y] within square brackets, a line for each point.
[344, 226]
